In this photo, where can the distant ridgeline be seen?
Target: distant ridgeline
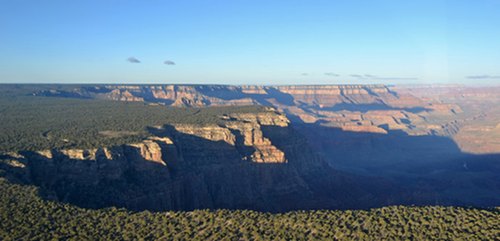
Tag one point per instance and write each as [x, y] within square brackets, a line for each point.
[362, 108]
[205, 95]
[468, 115]
[72, 120]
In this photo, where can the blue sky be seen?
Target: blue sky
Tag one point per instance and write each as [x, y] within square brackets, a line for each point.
[250, 42]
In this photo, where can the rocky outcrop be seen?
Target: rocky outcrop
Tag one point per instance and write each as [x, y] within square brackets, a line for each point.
[379, 107]
[122, 95]
[251, 160]
[150, 151]
[274, 162]
[329, 95]
[416, 110]
[209, 95]
[244, 132]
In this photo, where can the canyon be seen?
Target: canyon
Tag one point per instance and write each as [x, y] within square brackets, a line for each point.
[311, 147]
[252, 161]
[465, 114]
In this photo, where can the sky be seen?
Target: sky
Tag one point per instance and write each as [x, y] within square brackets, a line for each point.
[250, 42]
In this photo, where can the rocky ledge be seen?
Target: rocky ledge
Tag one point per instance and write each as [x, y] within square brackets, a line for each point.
[253, 160]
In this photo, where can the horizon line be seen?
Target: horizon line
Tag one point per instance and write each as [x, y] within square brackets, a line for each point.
[214, 84]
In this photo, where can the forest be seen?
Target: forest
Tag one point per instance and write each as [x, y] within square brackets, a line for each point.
[38, 123]
[24, 216]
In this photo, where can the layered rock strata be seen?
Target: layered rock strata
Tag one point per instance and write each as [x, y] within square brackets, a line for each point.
[254, 160]
[416, 110]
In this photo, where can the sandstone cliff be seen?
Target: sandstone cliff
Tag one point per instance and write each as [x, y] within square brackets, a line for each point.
[253, 160]
[206, 95]
[378, 108]
[273, 161]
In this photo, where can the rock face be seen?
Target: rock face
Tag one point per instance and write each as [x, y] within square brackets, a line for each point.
[330, 95]
[248, 161]
[205, 95]
[420, 110]
[400, 145]
[468, 115]
[358, 108]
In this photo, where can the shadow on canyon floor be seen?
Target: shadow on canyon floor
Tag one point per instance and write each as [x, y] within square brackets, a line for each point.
[363, 108]
[425, 163]
[201, 173]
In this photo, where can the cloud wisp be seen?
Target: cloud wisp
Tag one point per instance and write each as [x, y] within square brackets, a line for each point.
[375, 77]
[169, 62]
[395, 78]
[133, 60]
[331, 74]
[484, 76]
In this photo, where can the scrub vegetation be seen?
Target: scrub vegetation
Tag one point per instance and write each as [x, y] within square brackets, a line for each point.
[38, 123]
[24, 216]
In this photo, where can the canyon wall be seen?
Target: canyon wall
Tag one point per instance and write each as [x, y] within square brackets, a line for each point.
[247, 161]
[353, 108]
[346, 146]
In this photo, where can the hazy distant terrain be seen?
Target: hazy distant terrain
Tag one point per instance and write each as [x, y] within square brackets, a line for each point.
[469, 115]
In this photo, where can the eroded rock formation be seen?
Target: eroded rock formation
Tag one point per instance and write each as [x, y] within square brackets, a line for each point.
[357, 107]
[400, 147]
[252, 160]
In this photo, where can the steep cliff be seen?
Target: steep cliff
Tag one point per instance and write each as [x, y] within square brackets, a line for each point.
[249, 160]
[466, 114]
[395, 146]
[205, 95]
[378, 108]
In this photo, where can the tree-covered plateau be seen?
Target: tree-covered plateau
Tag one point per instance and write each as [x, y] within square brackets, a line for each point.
[24, 216]
[38, 123]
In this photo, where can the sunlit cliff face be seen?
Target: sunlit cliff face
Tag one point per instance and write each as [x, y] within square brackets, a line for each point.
[451, 111]
[352, 146]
